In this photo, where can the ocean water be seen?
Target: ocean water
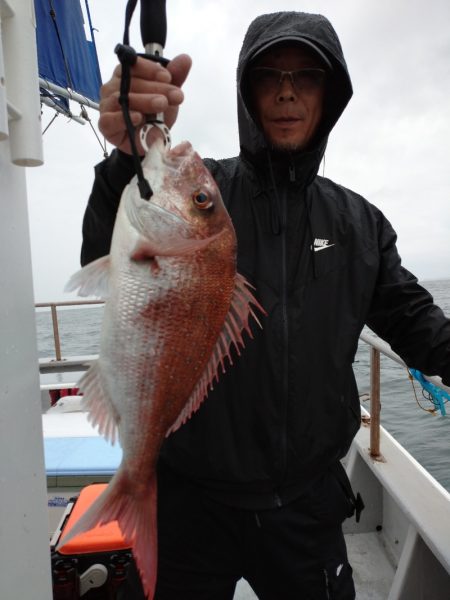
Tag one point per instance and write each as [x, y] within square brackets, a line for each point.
[424, 435]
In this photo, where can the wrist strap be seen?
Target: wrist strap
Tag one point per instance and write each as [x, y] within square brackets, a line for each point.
[128, 57]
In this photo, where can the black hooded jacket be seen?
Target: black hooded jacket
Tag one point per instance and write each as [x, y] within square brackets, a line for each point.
[324, 263]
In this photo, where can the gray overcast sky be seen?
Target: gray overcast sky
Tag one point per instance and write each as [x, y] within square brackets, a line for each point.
[392, 144]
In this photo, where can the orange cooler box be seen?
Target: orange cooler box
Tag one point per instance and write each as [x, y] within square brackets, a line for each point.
[94, 564]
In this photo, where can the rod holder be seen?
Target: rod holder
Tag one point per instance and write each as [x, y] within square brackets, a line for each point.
[4, 130]
[22, 85]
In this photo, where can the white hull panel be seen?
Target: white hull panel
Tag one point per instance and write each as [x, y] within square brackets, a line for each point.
[400, 550]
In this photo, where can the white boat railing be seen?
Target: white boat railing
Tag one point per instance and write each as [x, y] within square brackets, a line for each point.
[55, 324]
[378, 347]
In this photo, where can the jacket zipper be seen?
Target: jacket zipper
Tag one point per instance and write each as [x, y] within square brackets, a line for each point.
[284, 308]
[327, 584]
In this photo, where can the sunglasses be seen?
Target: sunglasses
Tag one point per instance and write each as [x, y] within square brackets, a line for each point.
[269, 80]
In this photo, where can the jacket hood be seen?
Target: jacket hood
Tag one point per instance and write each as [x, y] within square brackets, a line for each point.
[316, 30]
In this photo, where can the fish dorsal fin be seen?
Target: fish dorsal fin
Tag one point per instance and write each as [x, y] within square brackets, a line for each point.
[91, 280]
[235, 323]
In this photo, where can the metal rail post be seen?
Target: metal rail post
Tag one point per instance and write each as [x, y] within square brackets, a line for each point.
[56, 332]
[375, 405]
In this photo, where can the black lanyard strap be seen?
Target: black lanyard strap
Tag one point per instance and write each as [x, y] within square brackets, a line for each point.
[128, 57]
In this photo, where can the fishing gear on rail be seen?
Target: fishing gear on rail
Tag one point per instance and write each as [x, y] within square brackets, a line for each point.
[434, 394]
[128, 57]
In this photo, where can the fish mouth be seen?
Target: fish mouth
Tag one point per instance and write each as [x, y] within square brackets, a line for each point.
[173, 158]
[181, 150]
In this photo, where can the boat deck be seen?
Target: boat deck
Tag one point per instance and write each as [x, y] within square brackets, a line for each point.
[398, 551]
[372, 572]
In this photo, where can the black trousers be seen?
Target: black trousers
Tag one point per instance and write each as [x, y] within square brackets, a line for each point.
[293, 552]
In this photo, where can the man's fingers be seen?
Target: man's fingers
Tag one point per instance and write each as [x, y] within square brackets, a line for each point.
[176, 71]
[144, 103]
[146, 69]
[154, 89]
[112, 123]
[179, 68]
[152, 79]
[141, 86]
[112, 126]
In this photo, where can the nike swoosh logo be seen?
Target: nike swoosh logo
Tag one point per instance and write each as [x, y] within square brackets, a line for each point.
[318, 248]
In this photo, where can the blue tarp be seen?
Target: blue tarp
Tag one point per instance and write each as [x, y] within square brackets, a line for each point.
[69, 60]
[72, 456]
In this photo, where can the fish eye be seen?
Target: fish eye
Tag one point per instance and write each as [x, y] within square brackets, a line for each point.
[202, 200]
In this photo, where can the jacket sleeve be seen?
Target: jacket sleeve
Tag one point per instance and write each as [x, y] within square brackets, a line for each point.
[111, 177]
[404, 314]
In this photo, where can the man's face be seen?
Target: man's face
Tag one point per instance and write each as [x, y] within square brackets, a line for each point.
[289, 111]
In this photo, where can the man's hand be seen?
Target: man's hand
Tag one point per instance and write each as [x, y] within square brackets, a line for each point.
[153, 89]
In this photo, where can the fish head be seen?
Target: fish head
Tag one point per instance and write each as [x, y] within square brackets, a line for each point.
[193, 192]
[186, 204]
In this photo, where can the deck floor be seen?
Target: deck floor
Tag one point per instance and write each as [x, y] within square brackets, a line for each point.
[372, 572]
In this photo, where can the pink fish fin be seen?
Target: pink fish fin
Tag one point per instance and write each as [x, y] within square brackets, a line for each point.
[236, 321]
[145, 545]
[136, 517]
[91, 280]
[173, 244]
[102, 413]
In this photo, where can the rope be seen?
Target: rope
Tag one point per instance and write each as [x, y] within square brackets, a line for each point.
[431, 392]
[66, 64]
[428, 410]
[128, 57]
[51, 122]
[85, 115]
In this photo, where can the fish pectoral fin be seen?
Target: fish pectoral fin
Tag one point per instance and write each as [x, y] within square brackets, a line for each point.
[143, 251]
[91, 280]
[172, 243]
[236, 321]
[102, 413]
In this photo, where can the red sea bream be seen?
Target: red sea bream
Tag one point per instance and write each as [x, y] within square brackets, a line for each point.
[174, 306]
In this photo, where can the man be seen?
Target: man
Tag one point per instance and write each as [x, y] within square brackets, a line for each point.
[252, 485]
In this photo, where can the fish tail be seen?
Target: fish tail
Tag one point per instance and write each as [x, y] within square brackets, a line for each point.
[136, 516]
[145, 541]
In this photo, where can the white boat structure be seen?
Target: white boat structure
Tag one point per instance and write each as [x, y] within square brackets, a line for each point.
[400, 550]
